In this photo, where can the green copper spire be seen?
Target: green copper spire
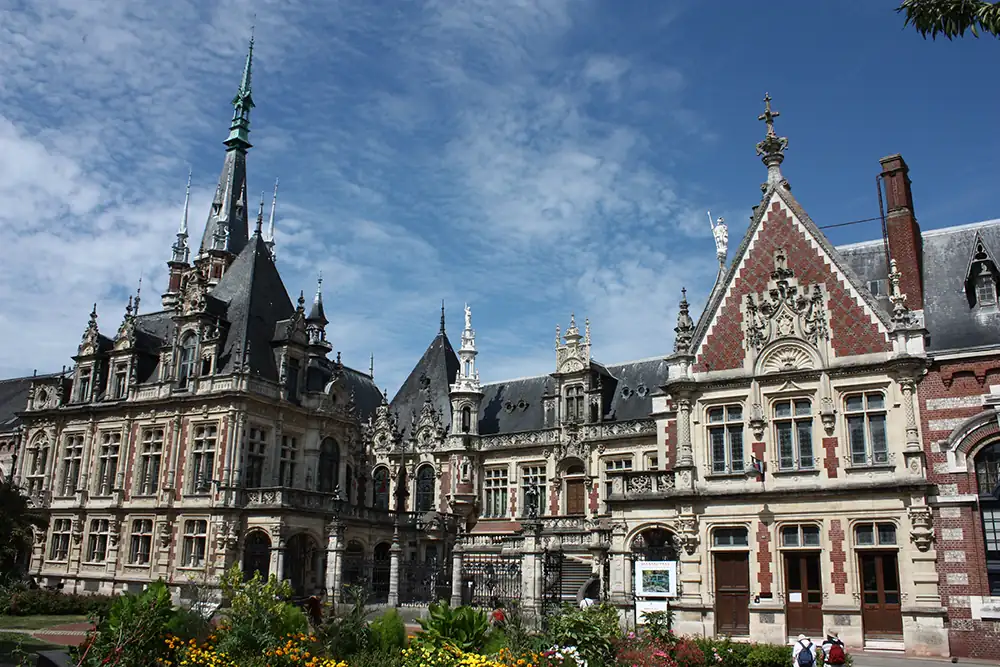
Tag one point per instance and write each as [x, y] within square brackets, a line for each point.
[239, 130]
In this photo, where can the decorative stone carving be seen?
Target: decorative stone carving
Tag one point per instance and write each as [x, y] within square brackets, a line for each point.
[88, 345]
[828, 415]
[164, 534]
[227, 535]
[77, 531]
[194, 293]
[921, 527]
[757, 422]
[785, 311]
[114, 534]
[786, 358]
[38, 534]
[687, 531]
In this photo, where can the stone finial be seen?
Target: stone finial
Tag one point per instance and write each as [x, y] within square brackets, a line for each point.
[772, 149]
[721, 234]
[684, 331]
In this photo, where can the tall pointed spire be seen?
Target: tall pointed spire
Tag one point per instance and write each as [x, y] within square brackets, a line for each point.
[269, 239]
[442, 316]
[239, 129]
[467, 379]
[180, 247]
[772, 149]
[260, 214]
[316, 314]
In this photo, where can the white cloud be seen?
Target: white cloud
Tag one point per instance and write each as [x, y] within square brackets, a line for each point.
[440, 150]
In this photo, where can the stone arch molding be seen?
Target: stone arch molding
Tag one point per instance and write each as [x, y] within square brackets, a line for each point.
[968, 437]
[787, 354]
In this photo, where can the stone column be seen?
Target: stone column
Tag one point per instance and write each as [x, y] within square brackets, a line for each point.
[619, 562]
[908, 387]
[334, 558]
[394, 552]
[174, 476]
[456, 576]
[532, 570]
[685, 455]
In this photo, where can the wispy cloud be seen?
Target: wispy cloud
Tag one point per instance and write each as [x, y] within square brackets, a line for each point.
[433, 150]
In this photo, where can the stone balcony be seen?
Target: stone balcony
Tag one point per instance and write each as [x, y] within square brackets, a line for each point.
[635, 484]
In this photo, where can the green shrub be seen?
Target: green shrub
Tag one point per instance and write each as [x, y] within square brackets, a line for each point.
[134, 631]
[258, 616]
[594, 631]
[723, 652]
[347, 633]
[769, 655]
[463, 627]
[659, 625]
[26, 602]
[377, 658]
[388, 631]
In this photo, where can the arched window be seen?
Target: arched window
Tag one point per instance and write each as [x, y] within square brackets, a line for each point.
[185, 366]
[988, 480]
[329, 465]
[466, 419]
[381, 479]
[425, 489]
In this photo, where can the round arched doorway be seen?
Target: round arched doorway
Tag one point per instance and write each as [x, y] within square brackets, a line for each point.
[654, 544]
[257, 555]
[301, 563]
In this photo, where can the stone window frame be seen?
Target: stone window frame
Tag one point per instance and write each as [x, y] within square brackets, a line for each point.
[871, 458]
[108, 451]
[541, 471]
[575, 397]
[36, 468]
[714, 530]
[139, 534]
[59, 540]
[607, 484]
[801, 546]
[425, 465]
[119, 381]
[85, 379]
[68, 472]
[289, 457]
[651, 460]
[194, 539]
[98, 535]
[496, 482]
[388, 487]
[258, 435]
[795, 419]
[147, 452]
[199, 479]
[728, 426]
[876, 524]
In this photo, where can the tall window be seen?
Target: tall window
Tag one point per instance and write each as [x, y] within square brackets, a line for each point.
[72, 460]
[793, 425]
[97, 543]
[195, 541]
[381, 488]
[121, 380]
[59, 546]
[574, 404]
[83, 391]
[988, 480]
[466, 419]
[142, 541]
[107, 456]
[256, 456]
[425, 489]
[866, 428]
[986, 287]
[292, 379]
[203, 455]
[329, 465]
[533, 489]
[288, 461]
[725, 435]
[37, 466]
[495, 489]
[150, 454]
[185, 366]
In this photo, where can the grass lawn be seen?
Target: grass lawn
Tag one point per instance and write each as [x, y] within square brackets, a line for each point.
[38, 622]
[11, 641]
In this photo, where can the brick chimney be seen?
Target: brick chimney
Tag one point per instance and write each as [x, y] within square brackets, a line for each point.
[905, 243]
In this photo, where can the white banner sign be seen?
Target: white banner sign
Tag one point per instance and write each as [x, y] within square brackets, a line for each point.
[656, 579]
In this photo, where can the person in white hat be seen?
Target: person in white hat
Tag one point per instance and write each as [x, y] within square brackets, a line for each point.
[804, 652]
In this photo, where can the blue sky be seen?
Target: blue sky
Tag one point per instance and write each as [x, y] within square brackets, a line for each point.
[532, 157]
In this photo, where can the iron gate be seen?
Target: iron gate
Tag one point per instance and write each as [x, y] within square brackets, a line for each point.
[552, 563]
[490, 580]
[424, 583]
[372, 576]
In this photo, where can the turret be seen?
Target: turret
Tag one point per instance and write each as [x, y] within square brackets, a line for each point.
[316, 324]
[466, 392]
[180, 254]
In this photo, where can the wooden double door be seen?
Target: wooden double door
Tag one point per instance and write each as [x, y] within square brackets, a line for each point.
[804, 593]
[881, 611]
[732, 593]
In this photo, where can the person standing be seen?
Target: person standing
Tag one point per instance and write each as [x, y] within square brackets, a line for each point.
[834, 652]
[804, 652]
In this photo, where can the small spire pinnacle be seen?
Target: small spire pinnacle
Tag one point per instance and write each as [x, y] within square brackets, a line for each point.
[260, 214]
[685, 326]
[772, 149]
[316, 313]
[183, 230]
[371, 365]
[442, 315]
[239, 129]
[270, 222]
[138, 294]
[180, 247]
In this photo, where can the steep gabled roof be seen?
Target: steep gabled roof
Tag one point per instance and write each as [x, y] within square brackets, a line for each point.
[256, 300]
[14, 399]
[432, 376]
[859, 322]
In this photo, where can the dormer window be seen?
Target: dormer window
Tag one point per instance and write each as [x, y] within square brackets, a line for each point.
[292, 379]
[185, 367]
[84, 390]
[574, 404]
[466, 419]
[121, 380]
[986, 287]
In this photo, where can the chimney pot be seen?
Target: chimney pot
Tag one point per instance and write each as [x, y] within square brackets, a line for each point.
[902, 230]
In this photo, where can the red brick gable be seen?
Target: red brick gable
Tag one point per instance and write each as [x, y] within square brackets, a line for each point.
[853, 330]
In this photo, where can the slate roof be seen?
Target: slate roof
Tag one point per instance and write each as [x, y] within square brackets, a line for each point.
[256, 300]
[512, 406]
[367, 395]
[432, 376]
[952, 322]
[229, 206]
[14, 399]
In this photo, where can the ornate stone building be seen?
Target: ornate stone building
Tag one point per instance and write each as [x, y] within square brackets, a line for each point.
[777, 454]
